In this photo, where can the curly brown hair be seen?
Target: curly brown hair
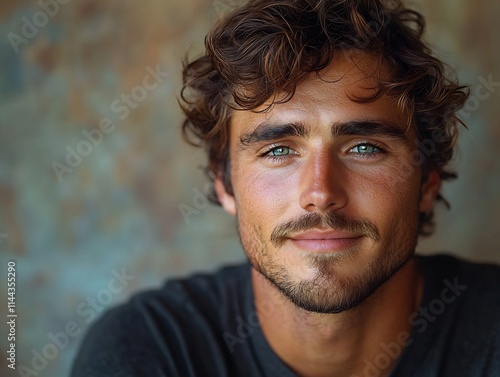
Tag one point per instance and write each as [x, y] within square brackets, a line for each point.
[267, 47]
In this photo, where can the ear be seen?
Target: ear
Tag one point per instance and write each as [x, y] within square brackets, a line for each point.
[227, 200]
[430, 189]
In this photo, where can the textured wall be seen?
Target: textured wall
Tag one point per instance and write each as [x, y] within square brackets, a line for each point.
[85, 66]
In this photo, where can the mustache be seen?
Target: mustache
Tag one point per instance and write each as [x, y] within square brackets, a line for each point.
[334, 220]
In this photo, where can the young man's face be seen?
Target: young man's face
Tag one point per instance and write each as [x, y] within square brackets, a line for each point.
[327, 206]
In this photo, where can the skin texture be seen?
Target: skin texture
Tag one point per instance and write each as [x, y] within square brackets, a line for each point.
[341, 171]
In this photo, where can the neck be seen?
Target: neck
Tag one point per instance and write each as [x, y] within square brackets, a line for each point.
[343, 344]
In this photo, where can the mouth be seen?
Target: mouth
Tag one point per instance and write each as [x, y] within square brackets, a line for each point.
[325, 241]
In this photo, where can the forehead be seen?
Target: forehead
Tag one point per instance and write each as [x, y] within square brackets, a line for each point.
[333, 95]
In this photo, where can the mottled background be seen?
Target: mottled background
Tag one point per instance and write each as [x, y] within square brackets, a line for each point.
[120, 206]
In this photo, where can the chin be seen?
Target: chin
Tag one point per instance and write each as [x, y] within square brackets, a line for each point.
[328, 284]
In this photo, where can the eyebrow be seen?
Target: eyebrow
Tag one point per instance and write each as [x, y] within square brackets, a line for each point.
[269, 132]
[369, 128]
[266, 132]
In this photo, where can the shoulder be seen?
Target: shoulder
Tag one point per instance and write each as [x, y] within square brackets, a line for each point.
[203, 294]
[476, 286]
[165, 329]
[456, 329]
[481, 279]
[463, 302]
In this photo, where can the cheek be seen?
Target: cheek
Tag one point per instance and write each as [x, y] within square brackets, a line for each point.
[383, 195]
[268, 192]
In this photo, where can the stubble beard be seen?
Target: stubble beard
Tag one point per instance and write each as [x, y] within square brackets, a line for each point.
[330, 291]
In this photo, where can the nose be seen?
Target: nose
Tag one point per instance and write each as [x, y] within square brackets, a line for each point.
[323, 182]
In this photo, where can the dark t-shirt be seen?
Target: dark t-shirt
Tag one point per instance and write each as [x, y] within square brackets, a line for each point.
[207, 325]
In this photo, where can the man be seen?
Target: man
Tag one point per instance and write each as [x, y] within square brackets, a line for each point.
[328, 126]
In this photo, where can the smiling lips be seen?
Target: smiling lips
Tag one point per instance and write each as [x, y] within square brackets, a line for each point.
[325, 241]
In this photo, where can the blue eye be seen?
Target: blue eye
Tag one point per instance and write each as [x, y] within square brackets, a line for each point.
[279, 151]
[365, 149]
